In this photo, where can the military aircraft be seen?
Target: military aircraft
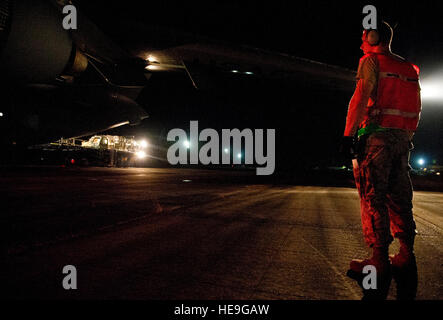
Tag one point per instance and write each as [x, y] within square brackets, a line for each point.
[76, 82]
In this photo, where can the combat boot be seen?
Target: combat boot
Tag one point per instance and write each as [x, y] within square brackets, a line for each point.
[380, 260]
[404, 271]
[406, 255]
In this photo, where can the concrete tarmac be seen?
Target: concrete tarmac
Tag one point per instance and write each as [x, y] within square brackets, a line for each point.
[158, 234]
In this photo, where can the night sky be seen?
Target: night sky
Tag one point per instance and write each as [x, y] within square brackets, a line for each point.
[325, 31]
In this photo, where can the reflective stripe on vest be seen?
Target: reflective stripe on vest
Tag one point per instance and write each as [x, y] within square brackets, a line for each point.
[394, 112]
[397, 104]
[394, 75]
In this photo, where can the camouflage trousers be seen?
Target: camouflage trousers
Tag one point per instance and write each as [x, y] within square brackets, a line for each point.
[381, 173]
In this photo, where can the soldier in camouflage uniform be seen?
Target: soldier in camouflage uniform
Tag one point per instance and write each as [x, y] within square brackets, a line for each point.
[381, 173]
[384, 113]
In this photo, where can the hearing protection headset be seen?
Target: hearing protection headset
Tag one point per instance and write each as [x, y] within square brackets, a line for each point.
[373, 37]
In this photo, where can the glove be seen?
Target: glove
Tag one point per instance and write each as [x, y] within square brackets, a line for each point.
[347, 148]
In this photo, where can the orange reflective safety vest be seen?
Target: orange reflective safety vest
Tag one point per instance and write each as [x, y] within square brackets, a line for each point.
[398, 102]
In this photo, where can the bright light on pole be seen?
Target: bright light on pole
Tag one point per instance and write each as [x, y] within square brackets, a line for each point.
[421, 161]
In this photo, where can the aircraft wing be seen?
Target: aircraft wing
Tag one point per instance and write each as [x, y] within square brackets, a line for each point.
[65, 83]
[195, 58]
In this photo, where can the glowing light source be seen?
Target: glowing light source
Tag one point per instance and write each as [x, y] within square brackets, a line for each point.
[187, 144]
[152, 59]
[1, 114]
[234, 71]
[140, 154]
[143, 144]
[432, 90]
[421, 161]
[151, 67]
[239, 156]
[226, 150]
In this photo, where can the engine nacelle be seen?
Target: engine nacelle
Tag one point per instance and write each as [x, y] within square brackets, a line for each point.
[34, 47]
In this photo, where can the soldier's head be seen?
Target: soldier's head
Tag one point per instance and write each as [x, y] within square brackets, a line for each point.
[377, 40]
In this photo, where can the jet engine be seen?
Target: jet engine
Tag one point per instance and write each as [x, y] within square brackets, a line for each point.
[34, 46]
